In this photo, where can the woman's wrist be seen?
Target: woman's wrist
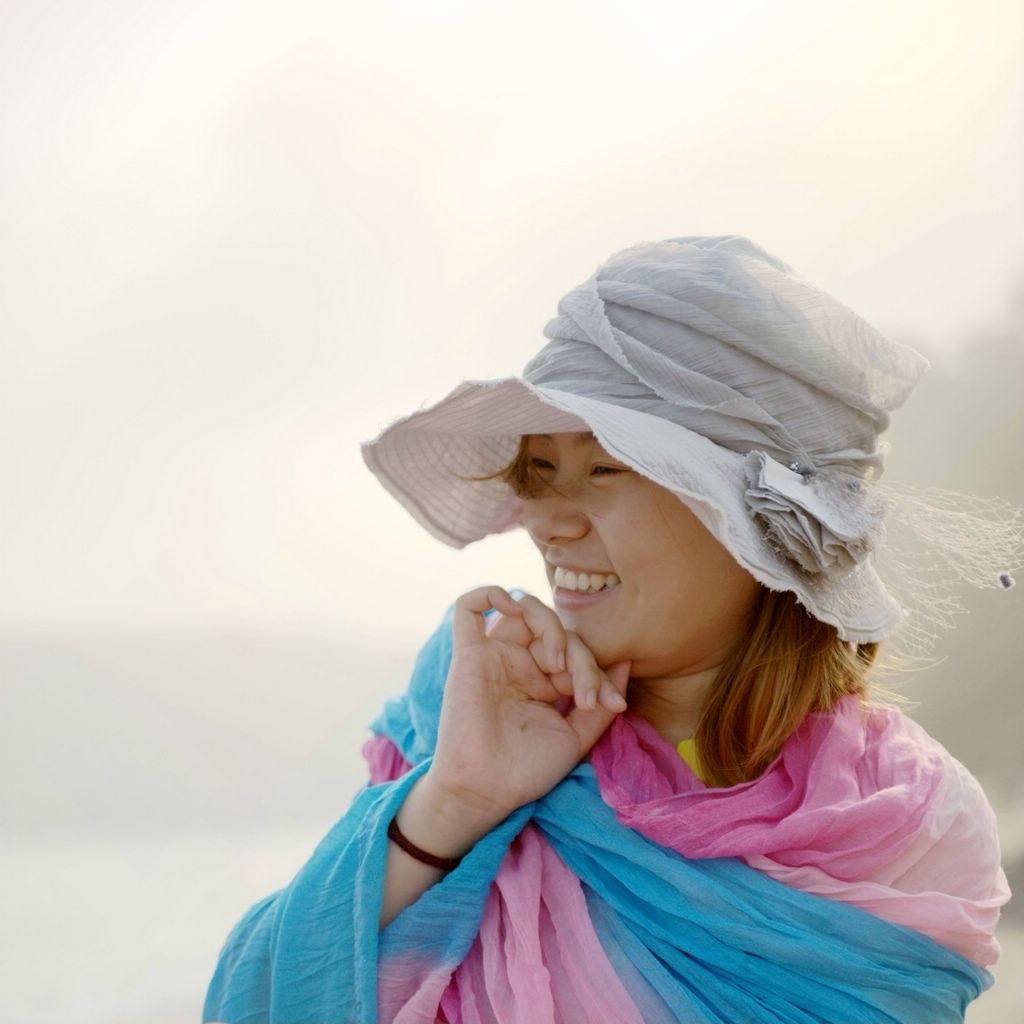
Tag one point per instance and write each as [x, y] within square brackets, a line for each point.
[443, 822]
[418, 853]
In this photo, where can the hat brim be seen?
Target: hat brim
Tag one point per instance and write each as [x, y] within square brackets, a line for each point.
[439, 463]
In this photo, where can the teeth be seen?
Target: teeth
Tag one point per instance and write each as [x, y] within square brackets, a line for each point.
[584, 582]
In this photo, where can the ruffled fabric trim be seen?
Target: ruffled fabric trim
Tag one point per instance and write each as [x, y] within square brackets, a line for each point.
[820, 521]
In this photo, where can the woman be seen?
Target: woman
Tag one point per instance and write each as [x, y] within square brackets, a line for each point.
[665, 798]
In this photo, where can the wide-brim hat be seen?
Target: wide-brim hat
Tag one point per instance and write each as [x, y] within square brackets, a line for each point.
[709, 367]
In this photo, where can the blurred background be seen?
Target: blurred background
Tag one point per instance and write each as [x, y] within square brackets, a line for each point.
[236, 239]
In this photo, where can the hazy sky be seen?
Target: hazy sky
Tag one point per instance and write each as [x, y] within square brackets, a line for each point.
[235, 239]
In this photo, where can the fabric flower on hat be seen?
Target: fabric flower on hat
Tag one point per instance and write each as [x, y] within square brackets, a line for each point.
[820, 521]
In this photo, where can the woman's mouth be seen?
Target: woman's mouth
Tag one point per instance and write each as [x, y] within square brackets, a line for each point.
[584, 582]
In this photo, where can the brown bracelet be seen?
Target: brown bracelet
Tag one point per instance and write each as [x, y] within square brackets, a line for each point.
[441, 863]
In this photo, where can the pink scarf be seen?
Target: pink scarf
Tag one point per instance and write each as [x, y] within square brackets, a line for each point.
[861, 806]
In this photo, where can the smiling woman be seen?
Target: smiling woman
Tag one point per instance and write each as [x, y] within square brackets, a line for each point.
[666, 796]
[686, 598]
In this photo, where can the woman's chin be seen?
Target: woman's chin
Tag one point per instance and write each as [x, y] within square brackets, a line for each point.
[605, 653]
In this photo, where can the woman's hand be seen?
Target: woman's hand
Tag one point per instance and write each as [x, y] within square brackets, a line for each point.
[509, 731]
[503, 739]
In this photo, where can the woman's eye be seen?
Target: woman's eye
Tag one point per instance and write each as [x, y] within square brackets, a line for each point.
[607, 470]
[536, 462]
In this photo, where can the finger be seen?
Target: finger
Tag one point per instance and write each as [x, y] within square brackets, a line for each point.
[468, 622]
[507, 627]
[511, 628]
[584, 678]
[612, 694]
[549, 645]
[590, 723]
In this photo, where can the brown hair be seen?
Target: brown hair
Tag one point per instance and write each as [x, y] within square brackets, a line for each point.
[788, 665]
[519, 474]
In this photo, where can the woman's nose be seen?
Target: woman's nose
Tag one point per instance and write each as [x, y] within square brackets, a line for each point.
[553, 517]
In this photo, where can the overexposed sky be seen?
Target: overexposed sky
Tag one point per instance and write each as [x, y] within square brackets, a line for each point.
[235, 239]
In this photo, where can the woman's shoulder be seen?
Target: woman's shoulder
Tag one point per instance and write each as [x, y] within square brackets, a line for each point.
[882, 735]
[892, 756]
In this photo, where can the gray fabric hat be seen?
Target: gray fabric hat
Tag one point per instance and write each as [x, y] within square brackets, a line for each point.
[709, 366]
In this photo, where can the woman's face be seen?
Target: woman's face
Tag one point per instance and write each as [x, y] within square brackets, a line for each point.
[667, 596]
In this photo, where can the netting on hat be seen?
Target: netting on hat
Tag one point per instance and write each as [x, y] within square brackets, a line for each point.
[935, 543]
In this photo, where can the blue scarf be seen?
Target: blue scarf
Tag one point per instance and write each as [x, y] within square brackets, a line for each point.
[694, 941]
